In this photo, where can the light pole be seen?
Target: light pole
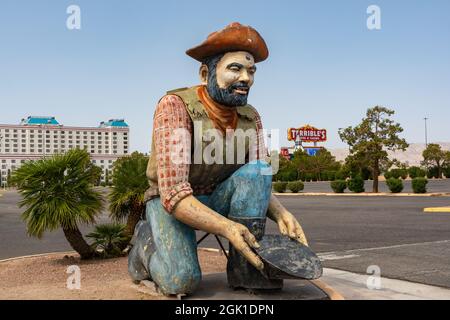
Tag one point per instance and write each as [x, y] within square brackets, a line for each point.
[426, 132]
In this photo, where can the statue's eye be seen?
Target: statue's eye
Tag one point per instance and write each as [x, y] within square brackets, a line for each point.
[235, 68]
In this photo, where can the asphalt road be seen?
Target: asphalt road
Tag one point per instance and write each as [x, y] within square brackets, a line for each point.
[349, 233]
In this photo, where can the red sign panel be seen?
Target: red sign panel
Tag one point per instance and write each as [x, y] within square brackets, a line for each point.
[307, 134]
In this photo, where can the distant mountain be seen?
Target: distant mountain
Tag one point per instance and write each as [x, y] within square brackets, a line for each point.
[412, 155]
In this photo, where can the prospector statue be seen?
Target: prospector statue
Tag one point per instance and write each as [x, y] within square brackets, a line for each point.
[198, 182]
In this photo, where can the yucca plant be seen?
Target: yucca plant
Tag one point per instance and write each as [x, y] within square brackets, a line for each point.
[127, 192]
[58, 192]
[108, 239]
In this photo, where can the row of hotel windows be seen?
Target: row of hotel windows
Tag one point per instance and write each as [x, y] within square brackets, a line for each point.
[61, 132]
[40, 136]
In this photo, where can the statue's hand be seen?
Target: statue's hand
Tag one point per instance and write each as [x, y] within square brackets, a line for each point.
[243, 240]
[289, 226]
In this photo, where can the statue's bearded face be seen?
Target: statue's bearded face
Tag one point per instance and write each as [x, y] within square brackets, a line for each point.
[229, 77]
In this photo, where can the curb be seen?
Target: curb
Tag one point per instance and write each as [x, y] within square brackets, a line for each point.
[329, 291]
[38, 255]
[365, 194]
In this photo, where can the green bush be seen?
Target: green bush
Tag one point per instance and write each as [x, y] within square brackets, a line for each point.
[356, 184]
[433, 173]
[395, 185]
[280, 186]
[447, 172]
[296, 186]
[108, 239]
[419, 185]
[339, 186]
[416, 172]
[308, 177]
[388, 175]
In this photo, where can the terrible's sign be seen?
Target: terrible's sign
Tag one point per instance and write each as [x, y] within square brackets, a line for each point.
[307, 134]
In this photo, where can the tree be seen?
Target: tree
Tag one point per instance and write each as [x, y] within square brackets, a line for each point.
[372, 138]
[316, 165]
[127, 193]
[58, 192]
[433, 155]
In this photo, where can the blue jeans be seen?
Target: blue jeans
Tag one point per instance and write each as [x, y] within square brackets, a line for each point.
[174, 265]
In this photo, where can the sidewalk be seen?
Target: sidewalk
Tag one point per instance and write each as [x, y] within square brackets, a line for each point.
[353, 286]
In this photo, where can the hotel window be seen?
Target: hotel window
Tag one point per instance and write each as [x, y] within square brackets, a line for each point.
[39, 150]
[23, 150]
[15, 150]
[32, 150]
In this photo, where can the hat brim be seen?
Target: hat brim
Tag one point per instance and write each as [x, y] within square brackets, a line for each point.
[237, 38]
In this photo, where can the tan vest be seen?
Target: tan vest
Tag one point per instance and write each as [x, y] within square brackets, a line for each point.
[204, 177]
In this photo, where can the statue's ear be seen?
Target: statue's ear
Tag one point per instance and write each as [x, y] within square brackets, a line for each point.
[203, 72]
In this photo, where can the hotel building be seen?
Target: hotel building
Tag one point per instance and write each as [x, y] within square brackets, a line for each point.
[37, 137]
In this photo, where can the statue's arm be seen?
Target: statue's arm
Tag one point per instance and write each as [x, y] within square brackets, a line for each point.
[192, 212]
[286, 221]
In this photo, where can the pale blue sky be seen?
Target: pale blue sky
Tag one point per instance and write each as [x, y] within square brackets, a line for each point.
[325, 67]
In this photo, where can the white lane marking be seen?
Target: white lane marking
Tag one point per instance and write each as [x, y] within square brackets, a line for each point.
[342, 253]
[333, 256]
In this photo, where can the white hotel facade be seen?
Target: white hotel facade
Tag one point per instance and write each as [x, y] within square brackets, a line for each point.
[37, 137]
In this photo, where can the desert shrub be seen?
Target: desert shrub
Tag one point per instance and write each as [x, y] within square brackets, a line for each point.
[419, 185]
[296, 186]
[356, 184]
[280, 186]
[108, 238]
[339, 186]
[416, 172]
[395, 185]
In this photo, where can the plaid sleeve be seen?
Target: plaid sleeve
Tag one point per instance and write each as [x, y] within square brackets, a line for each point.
[172, 150]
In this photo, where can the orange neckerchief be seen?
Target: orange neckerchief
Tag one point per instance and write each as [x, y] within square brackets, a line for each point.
[222, 117]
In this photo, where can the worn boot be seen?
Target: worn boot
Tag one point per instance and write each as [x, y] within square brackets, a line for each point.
[240, 273]
[140, 254]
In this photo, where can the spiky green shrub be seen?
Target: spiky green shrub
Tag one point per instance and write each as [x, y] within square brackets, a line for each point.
[108, 239]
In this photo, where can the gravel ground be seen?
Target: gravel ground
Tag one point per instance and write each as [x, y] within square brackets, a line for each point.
[45, 277]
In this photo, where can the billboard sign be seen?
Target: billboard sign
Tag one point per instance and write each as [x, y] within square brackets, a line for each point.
[307, 134]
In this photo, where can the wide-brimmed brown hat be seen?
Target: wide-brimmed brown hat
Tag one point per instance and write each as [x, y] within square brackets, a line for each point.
[234, 37]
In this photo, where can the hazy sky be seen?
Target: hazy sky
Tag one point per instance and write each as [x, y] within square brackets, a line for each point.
[325, 67]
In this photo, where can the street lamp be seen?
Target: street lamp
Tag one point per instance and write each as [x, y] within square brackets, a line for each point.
[426, 132]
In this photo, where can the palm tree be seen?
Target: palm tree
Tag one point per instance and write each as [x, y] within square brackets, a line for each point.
[127, 193]
[58, 192]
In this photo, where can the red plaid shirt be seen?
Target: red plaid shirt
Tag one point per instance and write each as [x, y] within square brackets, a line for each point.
[173, 178]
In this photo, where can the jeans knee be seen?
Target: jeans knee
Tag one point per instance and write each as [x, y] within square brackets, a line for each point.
[255, 170]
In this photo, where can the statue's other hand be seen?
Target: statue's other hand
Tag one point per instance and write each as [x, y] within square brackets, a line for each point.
[243, 240]
[289, 226]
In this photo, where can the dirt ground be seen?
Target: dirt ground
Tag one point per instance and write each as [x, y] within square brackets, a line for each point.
[45, 277]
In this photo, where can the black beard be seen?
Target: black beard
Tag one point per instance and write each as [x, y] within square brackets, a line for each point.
[227, 97]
